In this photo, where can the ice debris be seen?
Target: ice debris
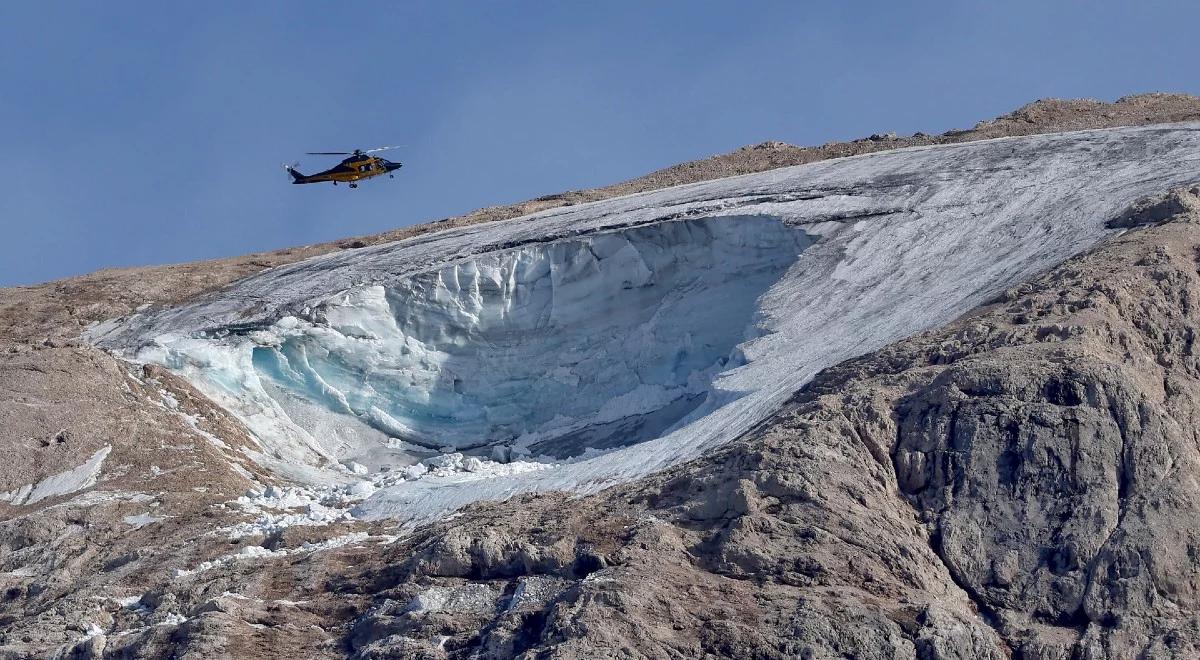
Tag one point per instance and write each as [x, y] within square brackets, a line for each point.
[278, 507]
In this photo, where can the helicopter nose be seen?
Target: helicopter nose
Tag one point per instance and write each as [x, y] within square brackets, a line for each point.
[393, 166]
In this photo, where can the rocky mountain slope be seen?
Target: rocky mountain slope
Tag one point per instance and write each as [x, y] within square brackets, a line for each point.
[625, 335]
[1017, 483]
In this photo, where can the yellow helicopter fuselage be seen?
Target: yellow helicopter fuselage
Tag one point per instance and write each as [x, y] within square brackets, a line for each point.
[351, 170]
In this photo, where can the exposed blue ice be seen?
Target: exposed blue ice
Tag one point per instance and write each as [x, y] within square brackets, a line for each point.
[539, 341]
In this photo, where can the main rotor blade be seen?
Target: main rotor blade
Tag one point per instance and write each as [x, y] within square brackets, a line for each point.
[328, 153]
[395, 146]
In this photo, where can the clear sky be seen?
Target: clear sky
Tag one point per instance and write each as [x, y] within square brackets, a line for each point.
[153, 132]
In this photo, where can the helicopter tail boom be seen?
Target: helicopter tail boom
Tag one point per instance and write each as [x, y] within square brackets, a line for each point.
[297, 177]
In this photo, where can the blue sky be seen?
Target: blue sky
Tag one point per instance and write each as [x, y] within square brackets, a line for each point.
[144, 133]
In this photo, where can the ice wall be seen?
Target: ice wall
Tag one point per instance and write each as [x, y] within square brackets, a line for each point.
[593, 342]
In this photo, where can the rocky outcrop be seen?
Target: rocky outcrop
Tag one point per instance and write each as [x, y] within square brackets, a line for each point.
[1057, 468]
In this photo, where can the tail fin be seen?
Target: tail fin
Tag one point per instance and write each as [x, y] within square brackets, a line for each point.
[297, 177]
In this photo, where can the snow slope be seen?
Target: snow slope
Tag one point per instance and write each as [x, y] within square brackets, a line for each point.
[674, 320]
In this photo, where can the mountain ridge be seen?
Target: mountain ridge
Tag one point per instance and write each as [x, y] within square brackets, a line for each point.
[60, 306]
[1016, 483]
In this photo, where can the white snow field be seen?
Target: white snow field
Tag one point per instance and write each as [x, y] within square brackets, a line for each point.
[586, 345]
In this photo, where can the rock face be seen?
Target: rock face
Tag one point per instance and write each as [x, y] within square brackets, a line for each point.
[1019, 483]
[1060, 474]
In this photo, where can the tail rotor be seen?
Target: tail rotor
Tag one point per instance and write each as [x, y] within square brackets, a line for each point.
[297, 177]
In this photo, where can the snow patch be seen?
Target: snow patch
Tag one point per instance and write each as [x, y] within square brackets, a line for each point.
[63, 483]
[465, 599]
[129, 602]
[141, 520]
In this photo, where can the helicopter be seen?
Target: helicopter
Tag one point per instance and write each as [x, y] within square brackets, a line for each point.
[359, 165]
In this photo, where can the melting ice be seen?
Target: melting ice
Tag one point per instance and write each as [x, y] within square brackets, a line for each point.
[553, 348]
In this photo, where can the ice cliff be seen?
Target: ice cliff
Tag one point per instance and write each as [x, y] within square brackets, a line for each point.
[616, 338]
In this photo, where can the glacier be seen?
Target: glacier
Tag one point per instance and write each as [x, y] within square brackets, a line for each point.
[542, 341]
[609, 340]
